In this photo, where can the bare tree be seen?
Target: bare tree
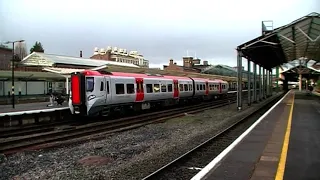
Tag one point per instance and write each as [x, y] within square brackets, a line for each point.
[20, 49]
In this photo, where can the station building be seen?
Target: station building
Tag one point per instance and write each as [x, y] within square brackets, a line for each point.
[120, 55]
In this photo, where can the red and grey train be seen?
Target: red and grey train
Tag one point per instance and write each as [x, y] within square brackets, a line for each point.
[96, 93]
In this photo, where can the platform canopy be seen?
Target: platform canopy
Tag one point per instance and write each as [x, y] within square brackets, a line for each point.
[300, 38]
[49, 60]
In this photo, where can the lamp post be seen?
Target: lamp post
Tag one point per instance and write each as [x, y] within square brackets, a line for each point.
[12, 69]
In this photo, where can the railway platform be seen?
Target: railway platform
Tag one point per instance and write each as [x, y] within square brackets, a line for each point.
[28, 107]
[31, 113]
[284, 143]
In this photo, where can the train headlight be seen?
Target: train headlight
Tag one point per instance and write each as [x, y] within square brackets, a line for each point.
[91, 97]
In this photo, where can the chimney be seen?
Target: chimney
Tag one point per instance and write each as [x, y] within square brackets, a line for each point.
[175, 63]
[187, 62]
[205, 63]
[171, 62]
[81, 54]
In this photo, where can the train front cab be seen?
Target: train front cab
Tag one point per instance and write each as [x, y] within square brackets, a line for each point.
[78, 95]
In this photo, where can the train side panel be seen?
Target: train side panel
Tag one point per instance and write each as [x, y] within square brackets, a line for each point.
[157, 89]
[185, 88]
[123, 90]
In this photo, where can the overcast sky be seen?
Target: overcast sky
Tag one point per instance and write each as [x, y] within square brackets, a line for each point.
[159, 30]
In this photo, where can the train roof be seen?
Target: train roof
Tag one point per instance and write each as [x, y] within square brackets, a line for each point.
[125, 74]
[147, 75]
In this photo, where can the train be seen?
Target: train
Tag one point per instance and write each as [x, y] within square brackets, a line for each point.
[97, 93]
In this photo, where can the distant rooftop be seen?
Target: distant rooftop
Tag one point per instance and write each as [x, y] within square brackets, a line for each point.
[5, 47]
[42, 59]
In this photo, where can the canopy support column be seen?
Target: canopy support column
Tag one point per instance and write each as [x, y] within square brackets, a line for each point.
[260, 83]
[271, 82]
[67, 85]
[254, 82]
[239, 89]
[267, 82]
[263, 83]
[300, 82]
[249, 83]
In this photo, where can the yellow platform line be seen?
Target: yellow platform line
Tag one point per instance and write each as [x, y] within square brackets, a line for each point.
[284, 151]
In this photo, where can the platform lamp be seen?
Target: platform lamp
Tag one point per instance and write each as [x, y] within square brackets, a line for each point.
[12, 68]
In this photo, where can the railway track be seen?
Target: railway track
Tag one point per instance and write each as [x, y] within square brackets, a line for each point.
[52, 126]
[95, 130]
[190, 163]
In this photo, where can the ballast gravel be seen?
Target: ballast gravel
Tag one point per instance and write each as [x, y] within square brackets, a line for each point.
[131, 154]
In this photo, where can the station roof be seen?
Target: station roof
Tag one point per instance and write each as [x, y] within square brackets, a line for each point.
[300, 38]
[48, 60]
[300, 67]
[29, 75]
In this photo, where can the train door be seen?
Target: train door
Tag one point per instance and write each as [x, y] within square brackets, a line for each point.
[108, 90]
[207, 88]
[99, 90]
[139, 92]
[175, 89]
[220, 88]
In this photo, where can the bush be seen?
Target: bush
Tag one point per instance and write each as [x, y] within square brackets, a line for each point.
[318, 86]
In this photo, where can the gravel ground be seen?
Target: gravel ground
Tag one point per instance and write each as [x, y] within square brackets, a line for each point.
[126, 155]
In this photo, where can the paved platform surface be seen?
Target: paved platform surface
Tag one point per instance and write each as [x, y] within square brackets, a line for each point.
[263, 155]
[28, 107]
[303, 158]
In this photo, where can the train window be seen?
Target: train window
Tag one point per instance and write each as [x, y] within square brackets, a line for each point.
[119, 88]
[180, 87]
[169, 87]
[101, 86]
[198, 88]
[156, 88]
[149, 88]
[190, 87]
[108, 87]
[130, 89]
[204, 87]
[186, 87]
[89, 84]
[163, 88]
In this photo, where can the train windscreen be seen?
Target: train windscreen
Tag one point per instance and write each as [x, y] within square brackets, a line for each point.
[89, 84]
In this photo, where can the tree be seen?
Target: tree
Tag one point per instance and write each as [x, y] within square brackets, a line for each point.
[318, 85]
[37, 47]
[20, 49]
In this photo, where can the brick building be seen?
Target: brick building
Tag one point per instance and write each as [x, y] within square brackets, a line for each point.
[5, 58]
[120, 55]
[189, 65]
